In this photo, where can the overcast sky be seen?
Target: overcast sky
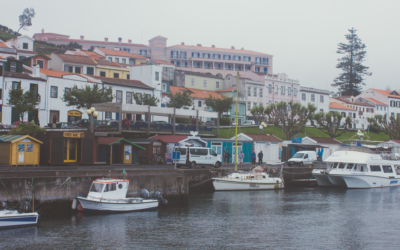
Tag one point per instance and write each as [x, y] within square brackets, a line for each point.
[301, 35]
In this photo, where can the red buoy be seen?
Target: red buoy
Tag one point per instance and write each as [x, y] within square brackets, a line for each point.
[79, 207]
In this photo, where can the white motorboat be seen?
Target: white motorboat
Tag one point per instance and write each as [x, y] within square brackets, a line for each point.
[358, 167]
[256, 179]
[109, 195]
[14, 218]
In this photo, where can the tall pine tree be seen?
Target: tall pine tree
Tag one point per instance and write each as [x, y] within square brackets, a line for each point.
[350, 80]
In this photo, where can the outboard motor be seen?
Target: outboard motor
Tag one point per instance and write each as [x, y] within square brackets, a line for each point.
[160, 198]
[3, 205]
[25, 207]
[145, 194]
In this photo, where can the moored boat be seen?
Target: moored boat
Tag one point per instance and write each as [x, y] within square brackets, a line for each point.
[14, 218]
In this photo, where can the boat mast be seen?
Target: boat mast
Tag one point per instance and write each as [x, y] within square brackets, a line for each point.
[237, 110]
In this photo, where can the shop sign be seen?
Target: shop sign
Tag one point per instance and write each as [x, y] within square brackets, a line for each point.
[74, 134]
[156, 143]
[74, 113]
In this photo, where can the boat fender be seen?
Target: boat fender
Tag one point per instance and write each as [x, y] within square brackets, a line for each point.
[160, 198]
[74, 204]
[79, 207]
[3, 205]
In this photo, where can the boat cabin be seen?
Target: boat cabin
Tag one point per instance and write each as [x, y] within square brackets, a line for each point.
[374, 167]
[111, 189]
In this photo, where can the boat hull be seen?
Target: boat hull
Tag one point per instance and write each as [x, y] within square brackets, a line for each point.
[221, 184]
[18, 220]
[367, 181]
[336, 180]
[101, 206]
[322, 179]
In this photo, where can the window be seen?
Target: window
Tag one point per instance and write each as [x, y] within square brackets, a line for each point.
[174, 54]
[90, 71]
[321, 110]
[199, 104]
[303, 97]
[206, 55]
[164, 87]
[157, 76]
[119, 96]
[184, 64]
[283, 90]
[69, 69]
[289, 91]
[67, 90]
[387, 169]
[354, 115]
[295, 92]
[110, 187]
[16, 85]
[78, 70]
[321, 99]
[1, 70]
[25, 45]
[103, 73]
[254, 91]
[236, 58]
[116, 75]
[124, 61]
[183, 55]
[247, 67]
[22, 57]
[97, 187]
[128, 97]
[254, 104]
[117, 60]
[258, 69]
[143, 52]
[227, 57]
[375, 168]
[54, 92]
[343, 114]
[1, 94]
[261, 92]
[313, 97]
[270, 88]
[205, 83]
[195, 54]
[40, 63]
[216, 56]
[385, 108]
[127, 50]
[128, 76]
[265, 70]
[217, 85]
[110, 59]
[265, 61]
[246, 58]
[248, 91]
[192, 81]
[258, 60]
[249, 106]
[132, 61]
[13, 67]
[276, 89]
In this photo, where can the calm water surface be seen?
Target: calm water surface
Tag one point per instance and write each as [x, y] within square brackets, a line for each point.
[284, 219]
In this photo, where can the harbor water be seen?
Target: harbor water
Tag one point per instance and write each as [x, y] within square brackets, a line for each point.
[307, 218]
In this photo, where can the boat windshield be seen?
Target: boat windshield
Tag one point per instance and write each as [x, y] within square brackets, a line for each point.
[97, 187]
[350, 166]
[298, 155]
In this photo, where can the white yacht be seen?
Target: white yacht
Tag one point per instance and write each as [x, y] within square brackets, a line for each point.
[256, 179]
[109, 195]
[358, 167]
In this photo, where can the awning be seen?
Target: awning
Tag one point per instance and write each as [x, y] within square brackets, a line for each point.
[112, 140]
[313, 146]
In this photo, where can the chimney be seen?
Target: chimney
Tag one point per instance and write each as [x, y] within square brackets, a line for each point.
[232, 47]
[82, 37]
[42, 31]
[242, 48]
[213, 46]
[119, 39]
[182, 43]
[106, 39]
[36, 70]
[199, 44]
[129, 41]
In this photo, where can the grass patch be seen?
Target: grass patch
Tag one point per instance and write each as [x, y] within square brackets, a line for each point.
[6, 36]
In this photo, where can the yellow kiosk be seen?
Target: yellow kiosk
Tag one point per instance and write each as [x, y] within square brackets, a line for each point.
[19, 150]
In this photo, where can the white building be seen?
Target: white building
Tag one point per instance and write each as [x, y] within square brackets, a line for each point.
[24, 46]
[345, 112]
[390, 98]
[149, 75]
[330, 144]
[318, 97]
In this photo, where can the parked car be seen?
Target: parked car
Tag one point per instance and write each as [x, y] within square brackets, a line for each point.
[85, 123]
[302, 158]
[109, 125]
[65, 125]
[193, 156]
[248, 122]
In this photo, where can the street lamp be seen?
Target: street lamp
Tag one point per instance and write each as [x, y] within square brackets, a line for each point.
[92, 113]
[262, 126]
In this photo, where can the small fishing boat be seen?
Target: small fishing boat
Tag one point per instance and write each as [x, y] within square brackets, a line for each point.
[255, 179]
[17, 218]
[109, 195]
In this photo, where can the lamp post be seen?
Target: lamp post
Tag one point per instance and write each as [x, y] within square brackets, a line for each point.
[262, 126]
[92, 113]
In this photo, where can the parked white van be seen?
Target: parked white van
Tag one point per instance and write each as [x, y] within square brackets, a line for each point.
[303, 158]
[193, 156]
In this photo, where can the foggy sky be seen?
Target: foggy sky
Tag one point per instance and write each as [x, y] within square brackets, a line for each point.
[301, 35]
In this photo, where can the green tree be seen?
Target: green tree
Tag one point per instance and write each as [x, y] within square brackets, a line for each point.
[141, 99]
[84, 97]
[350, 80]
[219, 105]
[329, 123]
[26, 129]
[390, 126]
[291, 116]
[25, 20]
[22, 101]
[179, 100]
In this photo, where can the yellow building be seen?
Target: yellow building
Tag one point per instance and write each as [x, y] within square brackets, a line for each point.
[196, 80]
[19, 150]
[112, 69]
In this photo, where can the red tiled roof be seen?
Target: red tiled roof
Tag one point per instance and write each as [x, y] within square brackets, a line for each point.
[226, 90]
[76, 59]
[159, 37]
[175, 89]
[325, 140]
[386, 93]
[26, 51]
[186, 72]
[258, 137]
[112, 52]
[203, 94]
[170, 138]
[21, 75]
[2, 57]
[375, 101]
[129, 82]
[54, 73]
[107, 63]
[397, 141]
[91, 54]
[222, 50]
[353, 103]
[3, 45]
[96, 42]
[163, 62]
[335, 105]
